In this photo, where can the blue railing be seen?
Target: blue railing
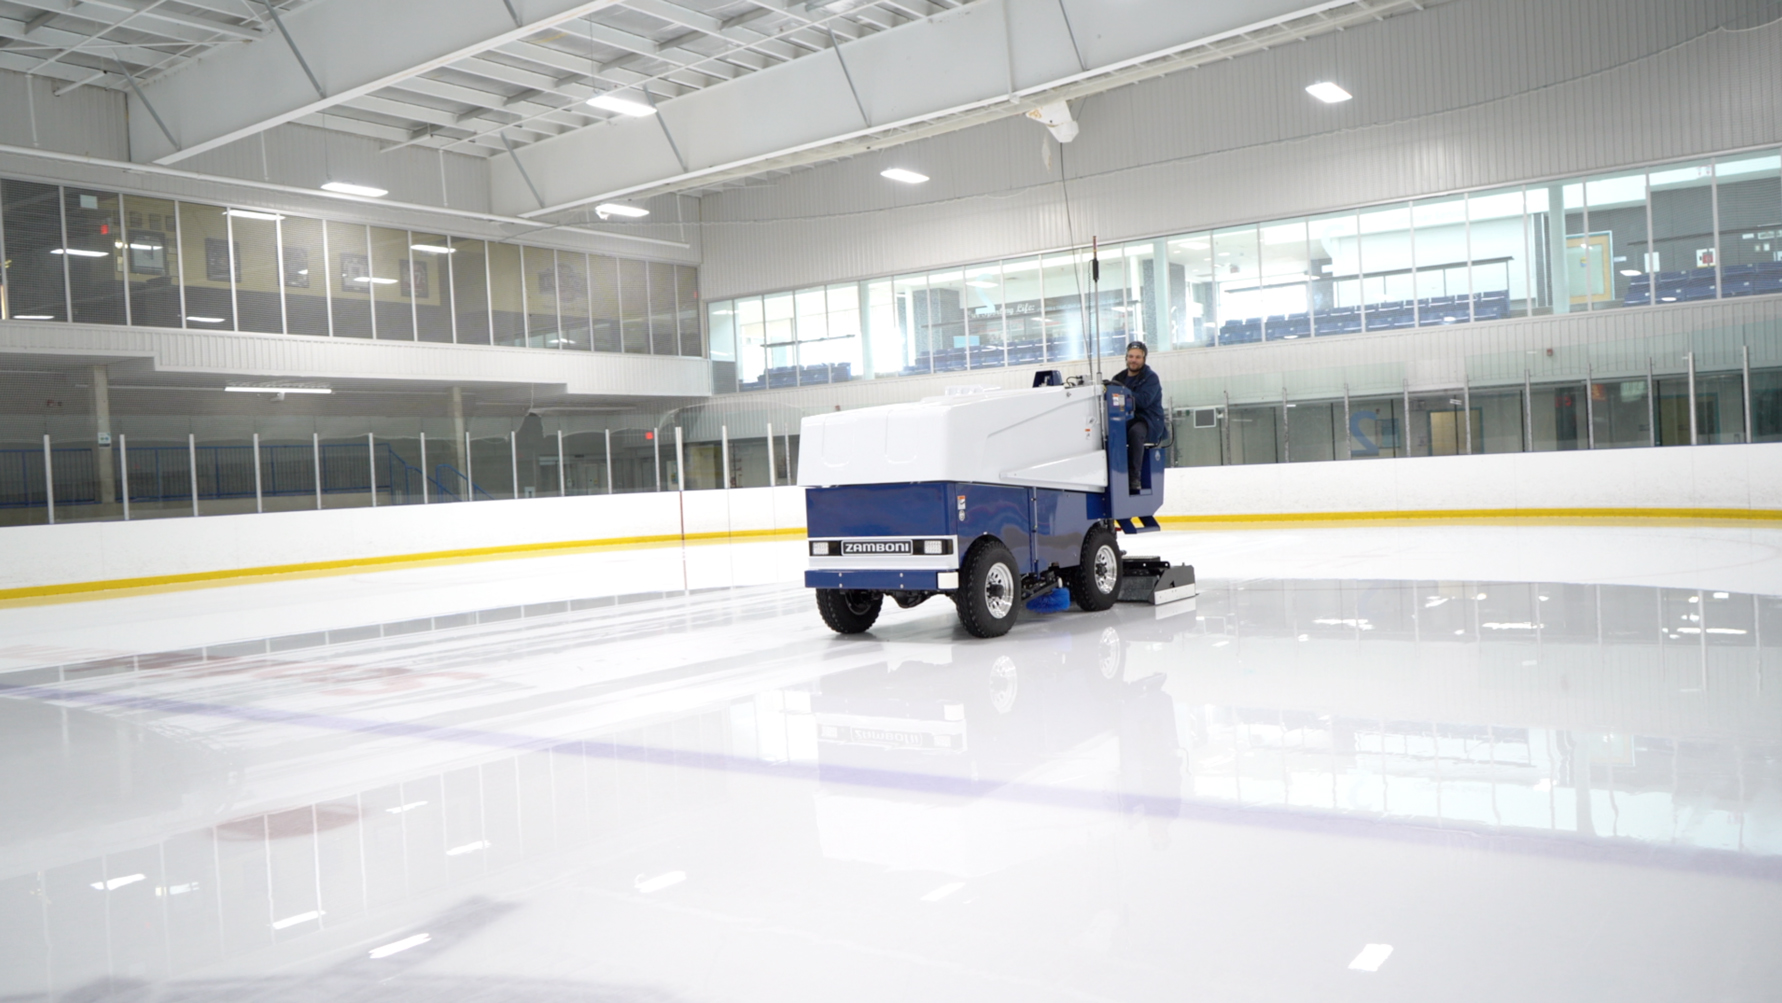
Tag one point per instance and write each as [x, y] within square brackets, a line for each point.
[164, 474]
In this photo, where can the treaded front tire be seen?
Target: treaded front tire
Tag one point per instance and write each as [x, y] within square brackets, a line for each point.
[849, 611]
[1095, 581]
[989, 594]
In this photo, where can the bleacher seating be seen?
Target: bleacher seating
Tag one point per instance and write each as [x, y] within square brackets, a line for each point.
[794, 376]
[1688, 285]
[1394, 315]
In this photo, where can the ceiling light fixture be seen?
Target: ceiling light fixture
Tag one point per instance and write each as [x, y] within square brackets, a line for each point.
[206, 320]
[271, 217]
[382, 282]
[907, 177]
[433, 249]
[279, 390]
[33, 316]
[624, 106]
[1328, 92]
[608, 209]
[347, 188]
[80, 252]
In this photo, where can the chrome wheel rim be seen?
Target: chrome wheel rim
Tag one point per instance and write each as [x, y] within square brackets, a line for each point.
[999, 590]
[1107, 569]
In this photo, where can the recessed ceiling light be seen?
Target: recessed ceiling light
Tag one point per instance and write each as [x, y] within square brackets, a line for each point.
[1328, 92]
[432, 249]
[907, 177]
[347, 188]
[605, 209]
[252, 214]
[624, 106]
[279, 390]
[80, 253]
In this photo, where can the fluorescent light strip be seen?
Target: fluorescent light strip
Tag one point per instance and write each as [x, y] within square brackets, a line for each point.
[80, 253]
[624, 106]
[397, 947]
[33, 316]
[284, 390]
[907, 177]
[348, 188]
[1329, 93]
[606, 209]
[207, 320]
[432, 249]
[251, 214]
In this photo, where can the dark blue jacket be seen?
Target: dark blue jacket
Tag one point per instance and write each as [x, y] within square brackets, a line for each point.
[1147, 400]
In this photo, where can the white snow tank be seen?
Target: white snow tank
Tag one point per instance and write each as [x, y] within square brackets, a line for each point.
[1046, 437]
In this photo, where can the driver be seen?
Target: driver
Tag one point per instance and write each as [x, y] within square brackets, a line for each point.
[1147, 423]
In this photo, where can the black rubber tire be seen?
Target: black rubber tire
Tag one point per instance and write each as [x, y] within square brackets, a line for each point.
[849, 611]
[989, 594]
[1085, 588]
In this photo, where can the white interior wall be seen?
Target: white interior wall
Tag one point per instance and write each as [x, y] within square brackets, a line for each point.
[90, 121]
[1742, 478]
[1463, 95]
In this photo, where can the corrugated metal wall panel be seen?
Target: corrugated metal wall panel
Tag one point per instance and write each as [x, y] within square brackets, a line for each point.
[1462, 95]
[90, 121]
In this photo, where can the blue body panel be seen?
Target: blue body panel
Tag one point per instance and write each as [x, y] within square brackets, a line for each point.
[877, 581]
[1123, 504]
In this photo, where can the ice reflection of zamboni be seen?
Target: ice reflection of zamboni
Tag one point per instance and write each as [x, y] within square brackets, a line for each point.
[990, 497]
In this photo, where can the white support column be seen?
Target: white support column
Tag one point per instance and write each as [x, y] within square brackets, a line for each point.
[371, 463]
[1348, 449]
[609, 461]
[49, 482]
[724, 450]
[1651, 405]
[1745, 371]
[1694, 438]
[1466, 407]
[1589, 407]
[124, 471]
[315, 445]
[513, 458]
[259, 496]
[562, 479]
[772, 477]
[426, 497]
[469, 475]
[1527, 411]
[656, 454]
[680, 462]
[192, 466]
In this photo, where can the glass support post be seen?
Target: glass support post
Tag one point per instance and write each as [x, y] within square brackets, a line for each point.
[49, 479]
[1651, 405]
[124, 471]
[1527, 411]
[1466, 405]
[1745, 378]
[469, 475]
[656, 454]
[513, 457]
[562, 480]
[772, 475]
[1689, 357]
[192, 467]
[1286, 436]
[1589, 407]
[724, 449]
[315, 445]
[1558, 279]
[680, 462]
[426, 498]
[371, 464]
[609, 461]
[259, 496]
[1348, 451]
